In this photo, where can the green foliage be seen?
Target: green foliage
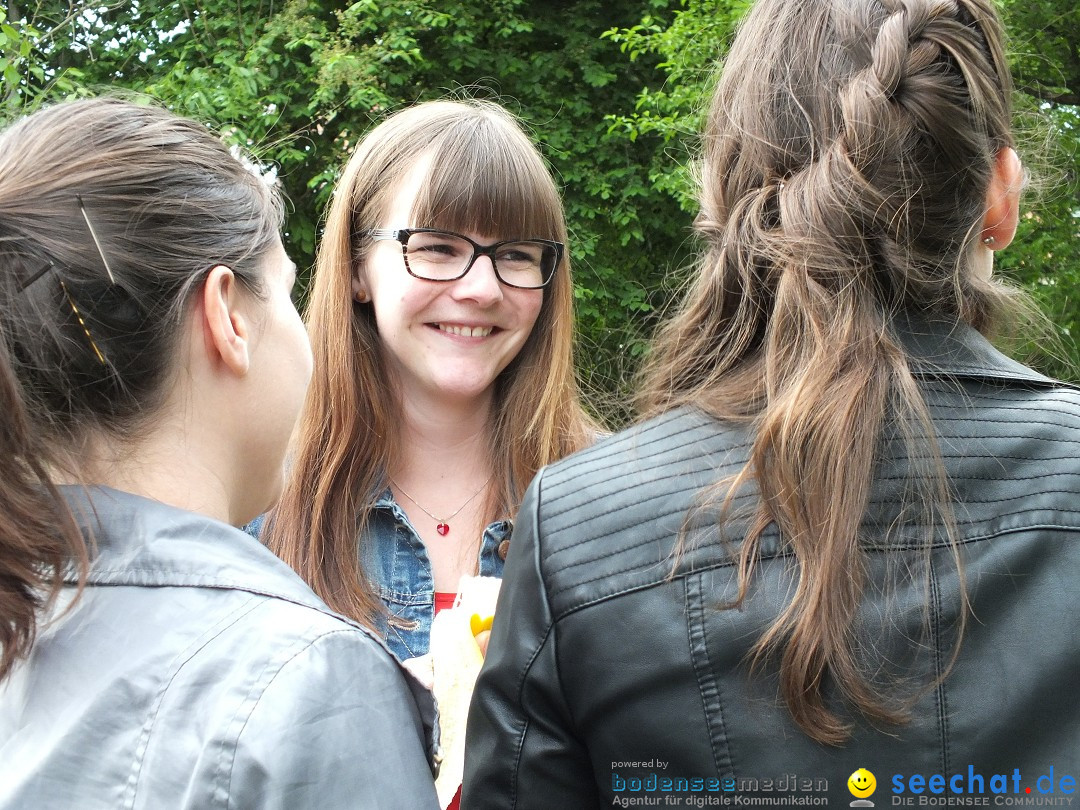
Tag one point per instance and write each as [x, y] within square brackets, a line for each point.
[1045, 53]
[300, 81]
[26, 75]
[1045, 257]
[613, 90]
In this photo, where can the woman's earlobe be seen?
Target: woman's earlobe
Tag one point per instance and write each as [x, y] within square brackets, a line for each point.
[360, 294]
[226, 329]
[1003, 200]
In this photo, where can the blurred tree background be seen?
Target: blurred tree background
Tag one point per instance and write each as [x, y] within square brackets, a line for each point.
[611, 89]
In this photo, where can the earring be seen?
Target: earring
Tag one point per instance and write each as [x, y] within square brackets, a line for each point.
[988, 240]
[361, 297]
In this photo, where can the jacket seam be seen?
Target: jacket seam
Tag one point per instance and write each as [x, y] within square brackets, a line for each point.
[184, 658]
[695, 626]
[728, 563]
[617, 445]
[232, 741]
[939, 689]
[964, 371]
[520, 751]
[667, 496]
[667, 515]
[649, 485]
[538, 555]
[554, 514]
[984, 420]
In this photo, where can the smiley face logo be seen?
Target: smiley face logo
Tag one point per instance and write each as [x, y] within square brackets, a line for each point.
[861, 783]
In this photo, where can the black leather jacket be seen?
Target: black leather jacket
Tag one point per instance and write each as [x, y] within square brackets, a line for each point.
[606, 673]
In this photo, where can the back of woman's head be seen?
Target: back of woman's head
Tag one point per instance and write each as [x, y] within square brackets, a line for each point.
[484, 176]
[126, 206]
[110, 214]
[847, 155]
[872, 125]
[847, 159]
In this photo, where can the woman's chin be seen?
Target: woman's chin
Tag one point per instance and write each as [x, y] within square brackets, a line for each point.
[461, 384]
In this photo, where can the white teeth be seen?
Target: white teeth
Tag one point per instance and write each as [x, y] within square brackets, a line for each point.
[466, 331]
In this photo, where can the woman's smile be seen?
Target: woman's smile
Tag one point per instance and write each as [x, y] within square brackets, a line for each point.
[465, 330]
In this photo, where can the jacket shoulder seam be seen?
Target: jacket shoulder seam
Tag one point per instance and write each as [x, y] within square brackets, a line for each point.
[179, 662]
[231, 742]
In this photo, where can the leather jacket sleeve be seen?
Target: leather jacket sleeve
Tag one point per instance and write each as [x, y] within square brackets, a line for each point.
[324, 729]
[521, 751]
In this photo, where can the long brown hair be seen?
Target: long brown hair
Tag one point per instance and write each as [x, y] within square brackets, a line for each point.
[485, 176]
[847, 156]
[89, 320]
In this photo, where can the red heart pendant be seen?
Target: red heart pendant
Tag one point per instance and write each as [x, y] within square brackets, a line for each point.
[443, 529]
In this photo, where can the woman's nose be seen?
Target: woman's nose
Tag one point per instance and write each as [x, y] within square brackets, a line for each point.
[480, 284]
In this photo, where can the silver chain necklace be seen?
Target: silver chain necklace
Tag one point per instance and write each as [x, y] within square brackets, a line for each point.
[442, 525]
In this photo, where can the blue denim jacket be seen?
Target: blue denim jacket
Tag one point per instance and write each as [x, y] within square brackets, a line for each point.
[398, 566]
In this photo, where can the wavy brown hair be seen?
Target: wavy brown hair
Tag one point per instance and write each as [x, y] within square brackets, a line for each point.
[486, 176]
[847, 156]
[87, 350]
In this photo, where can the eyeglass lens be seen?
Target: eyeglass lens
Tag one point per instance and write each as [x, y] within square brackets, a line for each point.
[444, 256]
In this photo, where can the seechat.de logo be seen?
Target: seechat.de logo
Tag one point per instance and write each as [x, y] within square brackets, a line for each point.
[862, 785]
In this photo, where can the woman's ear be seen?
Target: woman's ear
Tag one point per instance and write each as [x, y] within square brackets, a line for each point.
[226, 329]
[1003, 200]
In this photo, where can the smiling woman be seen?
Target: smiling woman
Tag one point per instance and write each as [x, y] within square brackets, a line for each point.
[448, 321]
[441, 320]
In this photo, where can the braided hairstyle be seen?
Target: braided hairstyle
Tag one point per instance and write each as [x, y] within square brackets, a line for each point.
[847, 156]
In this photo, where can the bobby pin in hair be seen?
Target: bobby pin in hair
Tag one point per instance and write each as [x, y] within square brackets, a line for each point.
[45, 269]
[82, 323]
[97, 243]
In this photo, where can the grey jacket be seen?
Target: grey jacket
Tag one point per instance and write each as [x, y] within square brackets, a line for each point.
[198, 671]
[610, 678]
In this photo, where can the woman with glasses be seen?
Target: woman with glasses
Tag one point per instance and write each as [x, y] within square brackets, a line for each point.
[152, 367]
[442, 328]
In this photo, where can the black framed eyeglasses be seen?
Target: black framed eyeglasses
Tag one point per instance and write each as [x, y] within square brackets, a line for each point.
[434, 255]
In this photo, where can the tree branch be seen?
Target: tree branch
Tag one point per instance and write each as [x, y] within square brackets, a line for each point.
[1052, 96]
[76, 11]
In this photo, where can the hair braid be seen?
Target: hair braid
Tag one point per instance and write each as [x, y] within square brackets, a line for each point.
[846, 160]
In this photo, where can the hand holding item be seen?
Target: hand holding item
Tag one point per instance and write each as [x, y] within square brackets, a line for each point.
[481, 630]
[458, 644]
[422, 669]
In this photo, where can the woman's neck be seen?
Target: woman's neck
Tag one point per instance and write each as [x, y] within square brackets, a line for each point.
[442, 480]
[162, 468]
[443, 442]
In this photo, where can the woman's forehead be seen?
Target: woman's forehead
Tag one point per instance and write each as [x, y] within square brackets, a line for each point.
[487, 193]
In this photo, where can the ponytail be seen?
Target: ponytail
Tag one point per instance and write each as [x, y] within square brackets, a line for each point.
[39, 538]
